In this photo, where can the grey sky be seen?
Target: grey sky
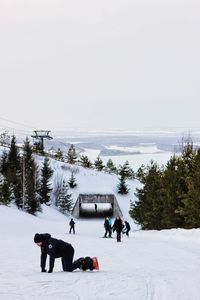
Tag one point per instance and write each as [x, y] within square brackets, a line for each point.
[100, 64]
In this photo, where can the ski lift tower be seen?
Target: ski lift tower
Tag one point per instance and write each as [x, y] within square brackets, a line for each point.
[39, 137]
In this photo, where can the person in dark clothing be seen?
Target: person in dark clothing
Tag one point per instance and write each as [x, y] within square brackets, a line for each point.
[118, 227]
[72, 226]
[107, 227]
[127, 228]
[110, 227]
[95, 208]
[59, 249]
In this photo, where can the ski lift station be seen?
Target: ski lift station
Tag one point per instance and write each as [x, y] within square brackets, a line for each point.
[96, 206]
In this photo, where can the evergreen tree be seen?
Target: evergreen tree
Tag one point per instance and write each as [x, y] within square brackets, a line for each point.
[30, 198]
[72, 181]
[85, 162]
[122, 186]
[14, 172]
[125, 171]
[98, 163]
[190, 208]
[65, 201]
[169, 197]
[4, 163]
[45, 190]
[4, 138]
[140, 174]
[174, 187]
[110, 167]
[71, 155]
[59, 155]
[5, 192]
[147, 210]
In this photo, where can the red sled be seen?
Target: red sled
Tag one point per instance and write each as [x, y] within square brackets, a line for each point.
[95, 263]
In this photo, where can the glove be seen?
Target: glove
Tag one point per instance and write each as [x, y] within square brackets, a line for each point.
[43, 270]
[50, 271]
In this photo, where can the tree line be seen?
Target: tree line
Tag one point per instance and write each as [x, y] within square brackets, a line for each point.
[170, 195]
[22, 181]
[123, 171]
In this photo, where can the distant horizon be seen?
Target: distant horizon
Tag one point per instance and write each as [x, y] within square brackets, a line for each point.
[171, 130]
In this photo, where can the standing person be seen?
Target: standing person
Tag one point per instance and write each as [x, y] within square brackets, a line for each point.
[72, 226]
[57, 248]
[118, 227]
[127, 228]
[110, 227]
[95, 208]
[107, 227]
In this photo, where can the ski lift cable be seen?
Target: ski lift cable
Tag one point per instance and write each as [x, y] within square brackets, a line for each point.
[18, 123]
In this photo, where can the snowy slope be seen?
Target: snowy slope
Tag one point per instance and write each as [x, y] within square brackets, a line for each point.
[91, 181]
[149, 265]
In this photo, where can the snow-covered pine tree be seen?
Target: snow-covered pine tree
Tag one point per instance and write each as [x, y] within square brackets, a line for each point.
[110, 167]
[59, 155]
[85, 162]
[13, 174]
[98, 163]
[65, 201]
[5, 192]
[4, 163]
[71, 155]
[122, 186]
[45, 189]
[30, 197]
[72, 181]
[126, 171]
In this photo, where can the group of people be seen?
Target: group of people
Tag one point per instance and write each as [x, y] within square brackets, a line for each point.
[117, 226]
[58, 248]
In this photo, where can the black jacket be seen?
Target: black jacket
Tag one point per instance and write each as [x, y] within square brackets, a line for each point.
[118, 225]
[106, 224]
[72, 223]
[54, 248]
[128, 227]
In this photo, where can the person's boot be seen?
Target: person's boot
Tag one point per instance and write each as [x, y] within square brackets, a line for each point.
[78, 263]
[87, 264]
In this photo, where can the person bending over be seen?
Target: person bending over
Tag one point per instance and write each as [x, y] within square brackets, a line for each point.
[59, 249]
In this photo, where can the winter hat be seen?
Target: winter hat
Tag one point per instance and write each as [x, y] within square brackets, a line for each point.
[38, 238]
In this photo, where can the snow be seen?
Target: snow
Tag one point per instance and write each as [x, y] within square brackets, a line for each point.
[154, 265]
[142, 148]
[149, 265]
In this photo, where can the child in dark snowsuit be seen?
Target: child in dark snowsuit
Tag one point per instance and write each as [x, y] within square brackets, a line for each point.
[57, 248]
[127, 228]
[72, 224]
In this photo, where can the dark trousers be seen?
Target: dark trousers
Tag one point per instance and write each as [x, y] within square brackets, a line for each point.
[107, 232]
[72, 228]
[67, 261]
[118, 236]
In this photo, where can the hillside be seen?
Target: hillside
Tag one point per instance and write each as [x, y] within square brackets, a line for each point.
[147, 265]
[92, 181]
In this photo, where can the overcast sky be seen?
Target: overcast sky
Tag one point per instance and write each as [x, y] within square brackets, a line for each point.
[100, 64]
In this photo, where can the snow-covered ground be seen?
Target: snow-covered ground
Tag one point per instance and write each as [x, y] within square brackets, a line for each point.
[148, 265]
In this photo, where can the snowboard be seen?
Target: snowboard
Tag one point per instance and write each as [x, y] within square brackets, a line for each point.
[95, 263]
[89, 263]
